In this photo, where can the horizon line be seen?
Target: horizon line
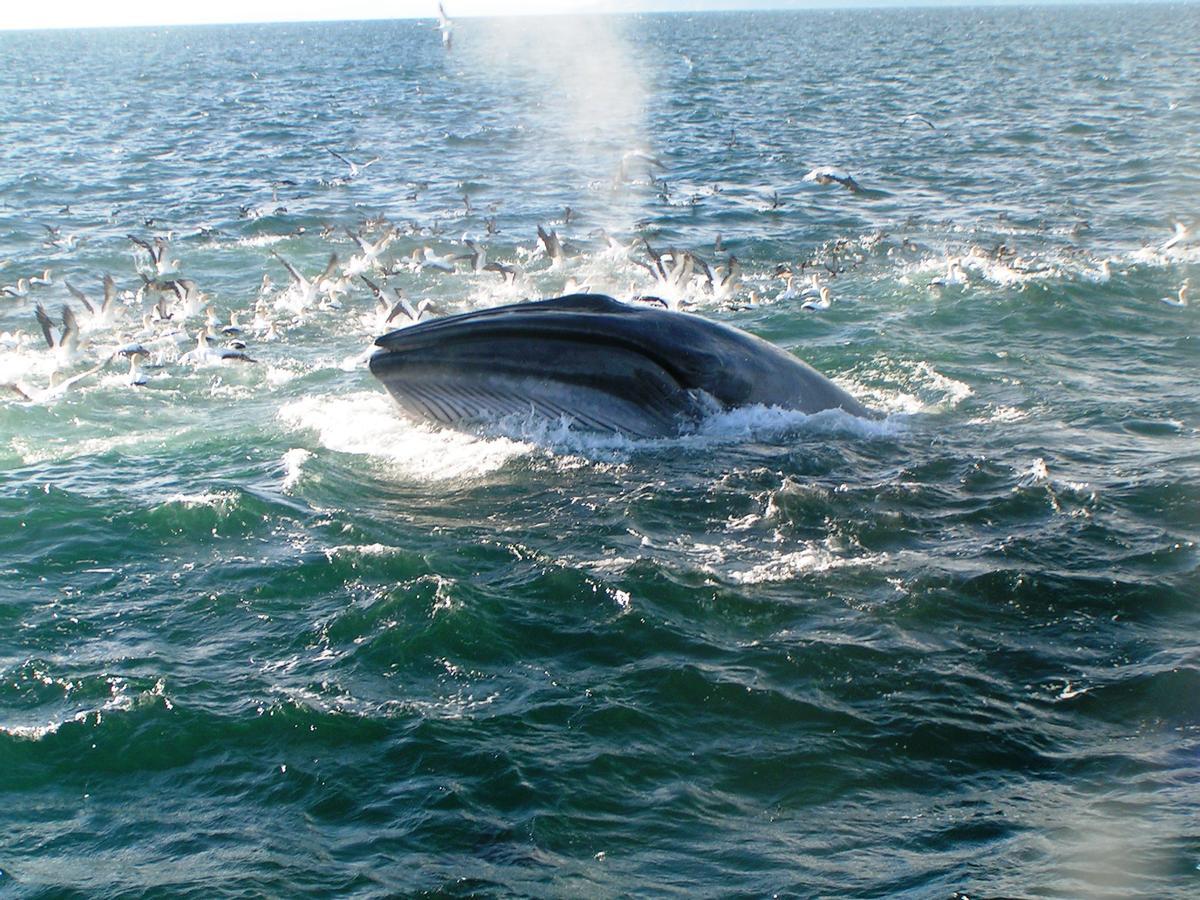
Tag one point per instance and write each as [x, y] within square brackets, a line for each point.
[653, 7]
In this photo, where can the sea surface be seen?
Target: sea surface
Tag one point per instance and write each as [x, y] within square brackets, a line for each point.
[260, 635]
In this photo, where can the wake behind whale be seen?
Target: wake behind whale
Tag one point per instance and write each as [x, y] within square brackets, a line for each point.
[607, 366]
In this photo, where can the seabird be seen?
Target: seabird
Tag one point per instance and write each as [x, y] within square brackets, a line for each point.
[917, 117]
[1182, 299]
[204, 353]
[725, 285]
[65, 341]
[955, 274]
[431, 260]
[833, 176]
[477, 256]
[20, 289]
[508, 274]
[102, 311]
[446, 26]
[371, 251]
[1182, 237]
[551, 244]
[820, 304]
[135, 353]
[157, 253]
[58, 385]
[386, 310]
[55, 238]
[187, 292]
[355, 168]
[307, 290]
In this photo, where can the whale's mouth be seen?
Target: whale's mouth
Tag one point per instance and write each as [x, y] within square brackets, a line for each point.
[485, 366]
[477, 379]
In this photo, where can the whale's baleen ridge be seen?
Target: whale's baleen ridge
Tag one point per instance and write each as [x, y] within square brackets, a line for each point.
[609, 366]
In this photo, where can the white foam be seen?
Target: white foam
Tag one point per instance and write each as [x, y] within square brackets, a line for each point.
[1001, 414]
[763, 422]
[368, 423]
[218, 500]
[293, 463]
[360, 550]
[119, 700]
[787, 566]
[33, 453]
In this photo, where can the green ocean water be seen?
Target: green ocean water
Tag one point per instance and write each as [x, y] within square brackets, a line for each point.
[260, 635]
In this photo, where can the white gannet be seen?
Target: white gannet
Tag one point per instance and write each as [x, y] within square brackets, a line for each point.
[833, 176]
[157, 253]
[1182, 237]
[791, 291]
[1103, 274]
[187, 292]
[304, 289]
[63, 341]
[356, 169]
[19, 289]
[385, 310]
[508, 274]
[913, 118]
[234, 328]
[205, 353]
[135, 353]
[58, 385]
[43, 280]
[551, 244]
[728, 279]
[477, 256]
[820, 304]
[955, 274]
[446, 26]
[104, 311]
[1182, 298]
[613, 247]
[56, 239]
[370, 251]
[432, 261]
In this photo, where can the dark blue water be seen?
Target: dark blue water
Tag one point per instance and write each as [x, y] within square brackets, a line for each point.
[262, 636]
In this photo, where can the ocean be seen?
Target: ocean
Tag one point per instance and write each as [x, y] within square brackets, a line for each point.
[261, 635]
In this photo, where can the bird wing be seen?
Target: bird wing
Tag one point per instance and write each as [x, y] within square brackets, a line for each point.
[296, 276]
[329, 267]
[70, 332]
[404, 305]
[47, 325]
[374, 288]
[110, 293]
[80, 296]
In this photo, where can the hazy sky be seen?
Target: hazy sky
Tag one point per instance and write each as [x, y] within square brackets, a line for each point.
[82, 13]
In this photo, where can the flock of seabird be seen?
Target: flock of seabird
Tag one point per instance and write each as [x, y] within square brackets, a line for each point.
[150, 324]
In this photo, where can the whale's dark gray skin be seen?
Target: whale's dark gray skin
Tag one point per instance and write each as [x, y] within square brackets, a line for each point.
[611, 367]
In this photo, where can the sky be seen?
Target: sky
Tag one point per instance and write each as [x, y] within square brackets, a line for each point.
[91, 13]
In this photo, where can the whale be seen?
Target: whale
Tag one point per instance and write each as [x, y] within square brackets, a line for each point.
[602, 365]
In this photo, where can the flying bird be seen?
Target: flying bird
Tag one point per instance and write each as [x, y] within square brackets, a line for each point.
[446, 26]
[356, 169]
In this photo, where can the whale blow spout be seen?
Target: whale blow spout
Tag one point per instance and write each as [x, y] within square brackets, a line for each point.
[610, 367]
